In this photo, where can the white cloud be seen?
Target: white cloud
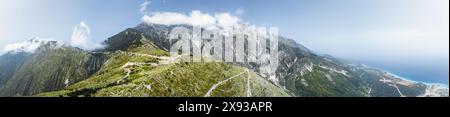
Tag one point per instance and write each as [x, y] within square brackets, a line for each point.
[239, 11]
[143, 6]
[227, 20]
[29, 46]
[196, 18]
[81, 37]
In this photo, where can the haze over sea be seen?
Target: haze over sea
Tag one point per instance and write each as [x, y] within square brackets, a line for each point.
[422, 70]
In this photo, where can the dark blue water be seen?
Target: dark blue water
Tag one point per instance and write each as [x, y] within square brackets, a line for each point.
[422, 70]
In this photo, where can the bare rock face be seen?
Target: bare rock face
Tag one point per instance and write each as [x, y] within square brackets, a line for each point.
[95, 62]
[299, 64]
[59, 69]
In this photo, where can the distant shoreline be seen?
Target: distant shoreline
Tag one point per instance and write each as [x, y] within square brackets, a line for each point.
[415, 81]
[407, 79]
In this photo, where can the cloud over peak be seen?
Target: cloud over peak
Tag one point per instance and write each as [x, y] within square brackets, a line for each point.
[196, 18]
[81, 37]
[239, 11]
[29, 46]
[143, 6]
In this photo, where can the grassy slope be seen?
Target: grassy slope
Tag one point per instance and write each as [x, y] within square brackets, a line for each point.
[184, 79]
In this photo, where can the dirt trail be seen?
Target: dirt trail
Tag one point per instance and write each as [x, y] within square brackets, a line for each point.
[249, 93]
[164, 60]
[221, 82]
[249, 90]
[395, 86]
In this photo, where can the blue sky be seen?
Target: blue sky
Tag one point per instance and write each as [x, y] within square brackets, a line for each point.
[375, 30]
[326, 26]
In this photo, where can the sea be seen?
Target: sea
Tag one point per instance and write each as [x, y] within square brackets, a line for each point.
[431, 71]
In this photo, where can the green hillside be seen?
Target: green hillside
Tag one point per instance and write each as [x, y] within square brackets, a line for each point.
[49, 70]
[143, 70]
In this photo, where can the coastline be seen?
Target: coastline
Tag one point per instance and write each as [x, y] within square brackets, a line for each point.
[415, 81]
[407, 79]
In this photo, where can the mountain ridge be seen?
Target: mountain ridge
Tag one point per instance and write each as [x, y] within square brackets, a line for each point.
[144, 47]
